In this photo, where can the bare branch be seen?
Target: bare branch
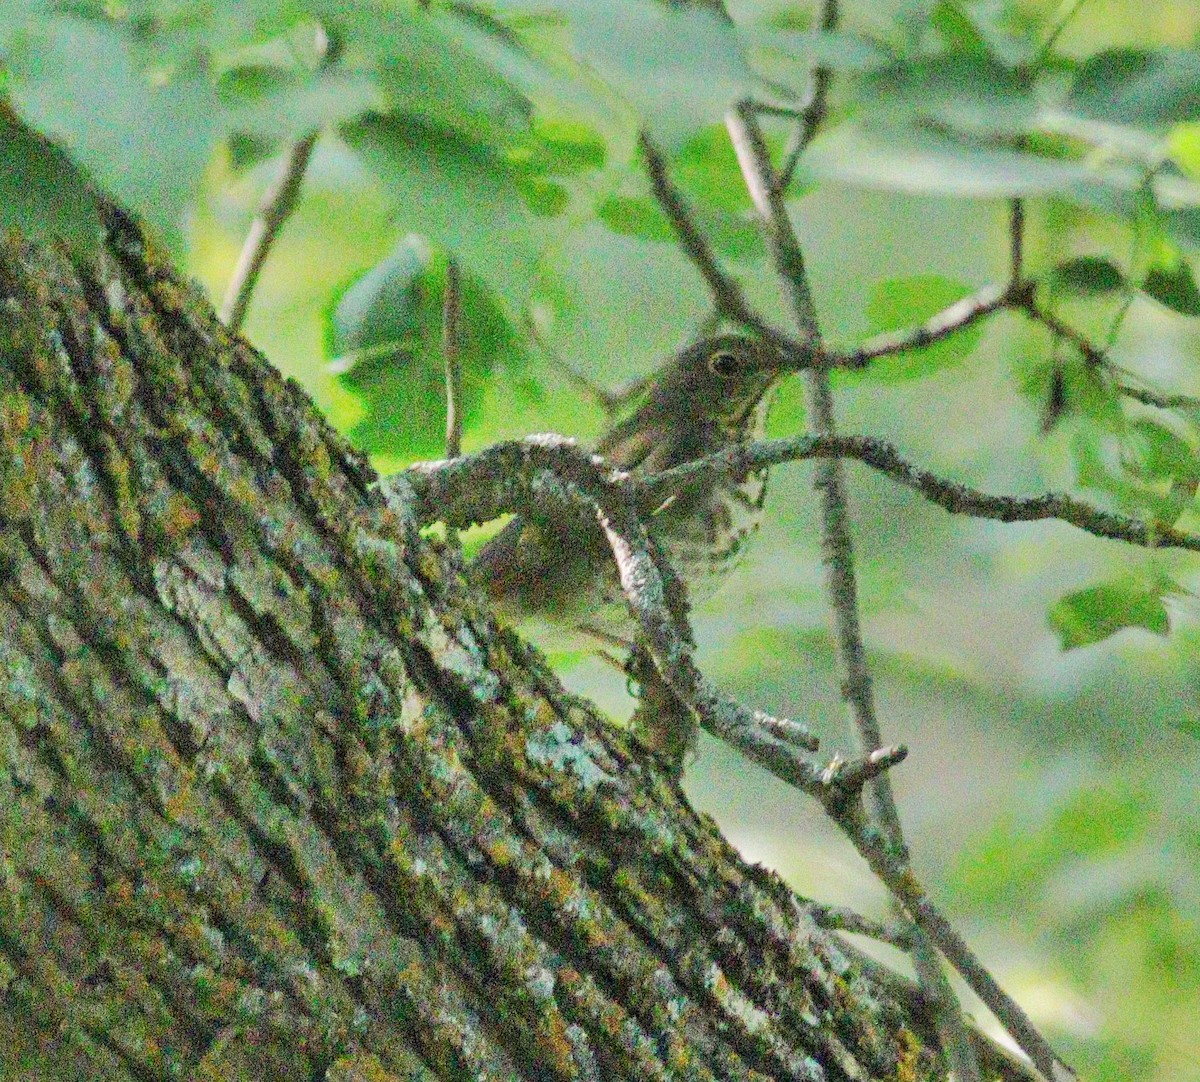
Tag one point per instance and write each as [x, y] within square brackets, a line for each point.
[1026, 300]
[837, 918]
[954, 497]
[814, 113]
[452, 356]
[277, 205]
[755, 160]
[1159, 400]
[837, 546]
[611, 402]
[1016, 242]
[955, 317]
[452, 360]
[727, 294]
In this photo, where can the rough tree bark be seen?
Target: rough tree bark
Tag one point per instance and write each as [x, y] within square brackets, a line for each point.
[279, 799]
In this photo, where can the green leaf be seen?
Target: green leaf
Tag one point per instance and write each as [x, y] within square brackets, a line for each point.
[928, 162]
[145, 135]
[1145, 467]
[1138, 87]
[385, 305]
[968, 92]
[428, 69]
[956, 29]
[558, 147]
[1011, 33]
[1183, 142]
[1068, 387]
[384, 341]
[786, 56]
[1183, 225]
[901, 303]
[1153, 452]
[636, 216]
[1173, 286]
[547, 160]
[675, 89]
[466, 198]
[544, 197]
[706, 167]
[282, 105]
[1087, 276]
[640, 216]
[1098, 612]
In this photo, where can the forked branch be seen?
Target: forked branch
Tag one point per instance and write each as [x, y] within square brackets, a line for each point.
[548, 475]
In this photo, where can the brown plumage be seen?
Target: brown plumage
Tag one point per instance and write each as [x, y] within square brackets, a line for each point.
[712, 394]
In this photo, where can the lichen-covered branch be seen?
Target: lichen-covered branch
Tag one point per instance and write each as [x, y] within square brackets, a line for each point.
[548, 475]
[953, 496]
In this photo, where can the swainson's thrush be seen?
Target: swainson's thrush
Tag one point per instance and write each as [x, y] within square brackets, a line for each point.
[711, 395]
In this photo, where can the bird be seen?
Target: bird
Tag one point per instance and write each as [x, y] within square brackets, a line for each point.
[709, 396]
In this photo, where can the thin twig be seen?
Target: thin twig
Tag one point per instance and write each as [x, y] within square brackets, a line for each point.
[754, 159]
[953, 1033]
[452, 361]
[277, 205]
[959, 499]
[836, 543]
[452, 356]
[726, 293]
[1158, 399]
[1043, 54]
[814, 113]
[1091, 354]
[1018, 295]
[1016, 243]
[955, 317]
[611, 402]
[838, 918]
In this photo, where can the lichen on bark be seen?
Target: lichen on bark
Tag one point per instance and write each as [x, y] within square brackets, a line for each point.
[278, 797]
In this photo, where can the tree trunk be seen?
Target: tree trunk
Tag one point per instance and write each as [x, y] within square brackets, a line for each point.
[279, 798]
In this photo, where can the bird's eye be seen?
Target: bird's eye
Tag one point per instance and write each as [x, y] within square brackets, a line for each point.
[723, 363]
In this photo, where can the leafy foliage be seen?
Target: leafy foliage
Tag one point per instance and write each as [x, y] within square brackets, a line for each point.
[1091, 615]
[385, 333]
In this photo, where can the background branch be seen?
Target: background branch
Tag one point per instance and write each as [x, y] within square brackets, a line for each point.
[728, 298]
[275, 209]
[452, 356]
[940, 325]
[766, 190]
[813, 115]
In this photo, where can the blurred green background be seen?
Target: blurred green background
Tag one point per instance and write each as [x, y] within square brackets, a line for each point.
[1050, 796]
